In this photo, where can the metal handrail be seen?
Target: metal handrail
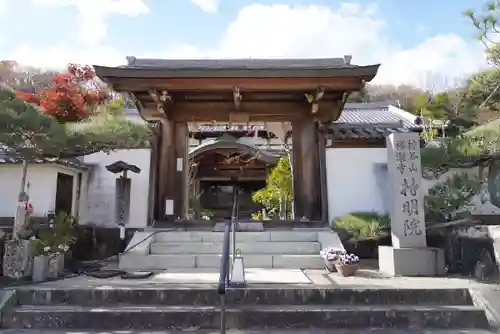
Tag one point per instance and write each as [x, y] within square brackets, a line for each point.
[224, 267]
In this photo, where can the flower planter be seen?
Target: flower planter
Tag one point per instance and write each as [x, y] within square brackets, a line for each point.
[347, 270]
[56, 265]
[40, 268]
[364, 249]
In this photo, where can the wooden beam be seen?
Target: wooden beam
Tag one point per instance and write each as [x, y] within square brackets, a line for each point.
[162, 101]
[329, 111]
[356, 143]
[259, 84]
[257, 111]
[314, 98]
[258, 96]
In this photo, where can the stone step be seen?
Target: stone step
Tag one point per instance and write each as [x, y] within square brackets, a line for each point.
[208, 236]
[263, 331]
[161, 317]
[250, 296]
[165, 261]
[258, 247]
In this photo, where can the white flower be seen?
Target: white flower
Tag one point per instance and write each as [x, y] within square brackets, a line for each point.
[66, 248]
[46, 248]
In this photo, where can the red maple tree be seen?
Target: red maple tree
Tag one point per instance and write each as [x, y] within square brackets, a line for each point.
[73, 95]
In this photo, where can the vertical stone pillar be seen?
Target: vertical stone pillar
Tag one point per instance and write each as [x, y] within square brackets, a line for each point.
[409, 255]
[122, 200]
[306, 173]
[405, 177]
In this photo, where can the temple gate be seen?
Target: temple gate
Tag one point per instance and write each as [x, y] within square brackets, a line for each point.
[174, 93]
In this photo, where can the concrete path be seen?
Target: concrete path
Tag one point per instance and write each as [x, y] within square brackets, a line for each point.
[205, 278]
[309, 331]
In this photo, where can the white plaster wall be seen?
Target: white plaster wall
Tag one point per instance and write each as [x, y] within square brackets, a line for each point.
[353, 184]
[99, 208]
[42, 191]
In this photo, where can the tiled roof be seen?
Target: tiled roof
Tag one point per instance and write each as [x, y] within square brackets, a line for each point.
[371, 120]
[389, 114]
[228, 64]
[363, 132]
[9, 157]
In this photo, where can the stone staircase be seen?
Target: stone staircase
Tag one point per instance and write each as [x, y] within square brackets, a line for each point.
[284, 249]
[197, 310]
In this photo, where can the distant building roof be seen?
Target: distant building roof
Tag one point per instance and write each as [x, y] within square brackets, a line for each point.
[10, 157]
[376, 113]
[372, 120]
[365, 131]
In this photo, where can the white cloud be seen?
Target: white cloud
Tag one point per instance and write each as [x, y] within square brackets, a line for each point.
[57, 57]
[318, 31]
[273, 31]
[209, 6]
[92, 14]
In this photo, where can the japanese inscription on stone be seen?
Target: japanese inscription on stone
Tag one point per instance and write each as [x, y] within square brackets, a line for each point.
[405, 175]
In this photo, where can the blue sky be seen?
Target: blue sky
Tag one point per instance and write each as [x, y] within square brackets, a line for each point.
[411, 38]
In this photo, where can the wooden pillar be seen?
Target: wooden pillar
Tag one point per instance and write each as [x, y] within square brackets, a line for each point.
[322, 174]
[172, 199]
[153, 178]
[166, 171]
[306, 176]
[181, 170]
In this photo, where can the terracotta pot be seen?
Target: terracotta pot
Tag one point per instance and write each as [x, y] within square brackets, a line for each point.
[347, 270]
[364, 249]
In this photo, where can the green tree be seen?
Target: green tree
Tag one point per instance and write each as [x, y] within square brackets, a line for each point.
[277, 195]
[31, 134]
[486, 21]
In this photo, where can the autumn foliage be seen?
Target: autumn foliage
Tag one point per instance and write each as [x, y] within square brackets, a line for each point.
[72, 97]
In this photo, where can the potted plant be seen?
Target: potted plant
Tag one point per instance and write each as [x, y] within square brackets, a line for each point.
[41, 259]
[56, 260]
[362, 232]
[330, 255]
[347, 264]
[62, 229]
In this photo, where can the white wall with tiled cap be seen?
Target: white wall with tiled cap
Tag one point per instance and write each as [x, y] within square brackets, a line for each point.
[352, 183]
[99, 208]
[42, 181]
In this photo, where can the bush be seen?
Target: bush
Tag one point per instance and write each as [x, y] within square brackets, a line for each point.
[363, 225]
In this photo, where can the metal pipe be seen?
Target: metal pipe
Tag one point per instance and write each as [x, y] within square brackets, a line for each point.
[223, 314]
[234, 219]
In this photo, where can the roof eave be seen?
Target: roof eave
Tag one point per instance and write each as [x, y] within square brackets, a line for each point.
[108, 74]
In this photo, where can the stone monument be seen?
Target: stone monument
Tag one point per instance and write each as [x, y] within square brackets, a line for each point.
[122, 193]
[409, 254]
